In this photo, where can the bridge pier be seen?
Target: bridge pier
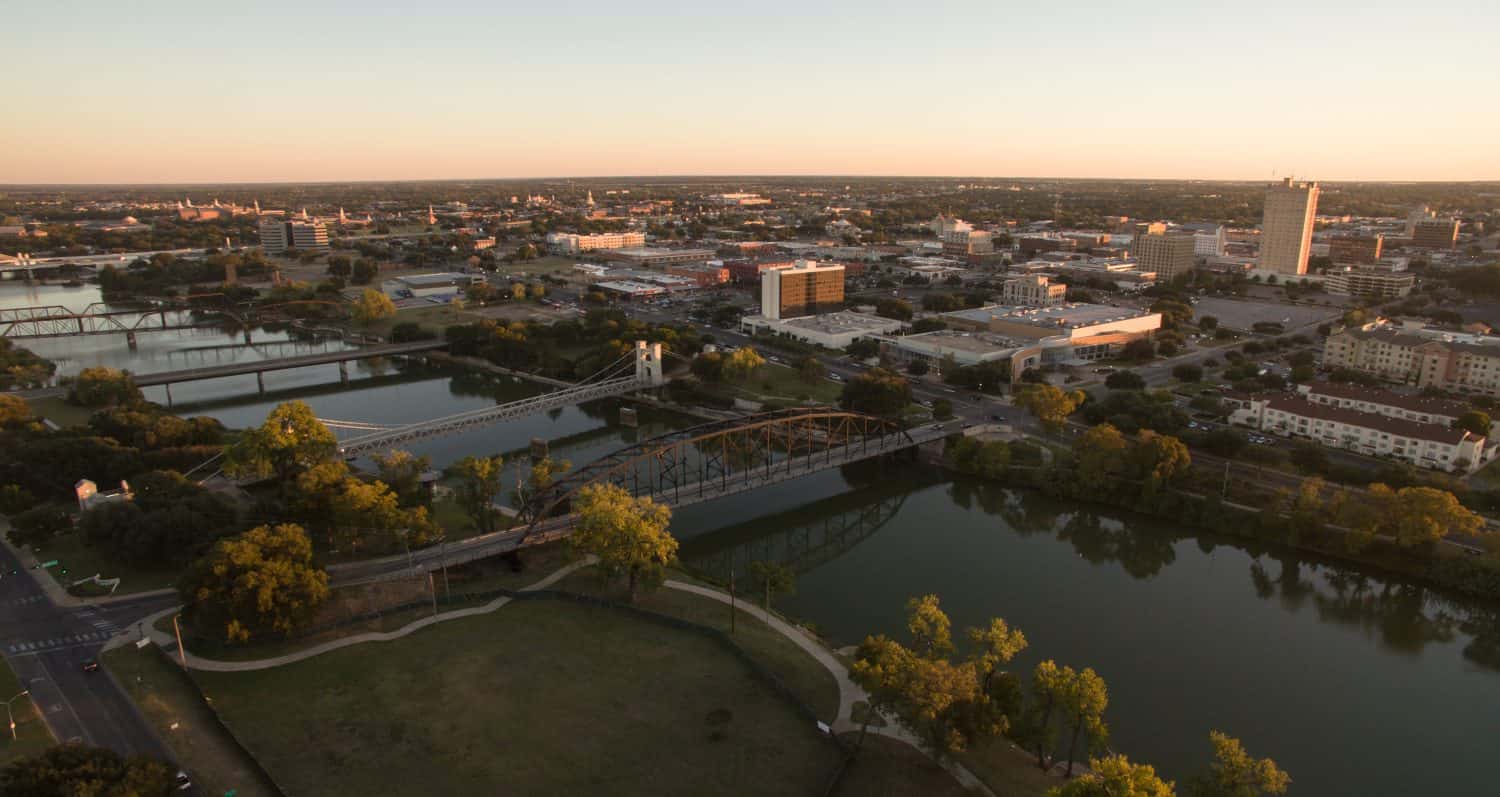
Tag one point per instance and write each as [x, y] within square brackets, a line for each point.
[344, 371]
[167, 388]
[247, 335]
[130, 339]
[260, 381]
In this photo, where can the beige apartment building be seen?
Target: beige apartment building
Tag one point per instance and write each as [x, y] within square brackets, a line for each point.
[1032, 290]
[1417, 356]
[1287, 226]
[1168, 254]
[1370, 283]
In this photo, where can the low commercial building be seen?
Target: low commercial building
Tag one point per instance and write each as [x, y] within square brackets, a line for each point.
[656, 256]
[964, 348]
[630, 289]
[1355, 250]
[567, 243]
[1032, 290]
[705, 275]
[963, 243]
[417, 286]
[1426, 445]
[1070, 332]
[1125, 275]
[830, 330]
[747, 272]
[1414, 355]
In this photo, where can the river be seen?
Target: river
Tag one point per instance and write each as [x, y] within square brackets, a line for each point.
[1355, 683]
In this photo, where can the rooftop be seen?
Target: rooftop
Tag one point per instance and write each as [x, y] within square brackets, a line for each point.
[1063, 316]
[1389, 398]
[842, 322]
[1437, 433]
[975, 342]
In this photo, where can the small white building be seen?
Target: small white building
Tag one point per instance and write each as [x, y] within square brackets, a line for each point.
[89, 495]
[423, 285]
[830, 330]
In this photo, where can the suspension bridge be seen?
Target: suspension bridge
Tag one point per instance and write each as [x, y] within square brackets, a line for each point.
[684, 467]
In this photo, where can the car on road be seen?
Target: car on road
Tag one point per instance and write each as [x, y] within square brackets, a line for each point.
[91, 666]
[182, 781]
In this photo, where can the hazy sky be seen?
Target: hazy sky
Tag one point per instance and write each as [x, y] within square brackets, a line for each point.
[166, 91]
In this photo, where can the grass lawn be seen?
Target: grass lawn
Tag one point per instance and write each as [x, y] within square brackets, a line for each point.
[1008, 770]
[82, 561]
[546, 264]
[166, 697]
[32, 736]
[805, 677]
[435, 317]
[537, 698]
[1487, 477]
[888, 768]
[773, 381]
[60, 412]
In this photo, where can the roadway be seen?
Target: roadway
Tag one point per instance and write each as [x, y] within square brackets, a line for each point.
[46, 646]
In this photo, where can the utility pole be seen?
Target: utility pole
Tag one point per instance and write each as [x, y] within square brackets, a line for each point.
[732, 610]
[432, 590]
[181, 654]
[1224, 493]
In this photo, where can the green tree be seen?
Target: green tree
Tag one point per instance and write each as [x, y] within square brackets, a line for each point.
[259, 583]
[1235, 773]
[480, 481]
[15, 499]
[942, 409]
[1125, 380]
[772, 578]
[1116, 776]
[708, 367]
[1098, 453]
[1208, 323]
[629, 535]
[1082, 702]
[74, 770]
[811, 370]
[365, 270]
[1050, 404]
[403, 472]
[893, 308]
[1187, 372]
[104, 387]
[1159, 459]
[539, 477]
[740, 364]
[290, 440]
[373, 306]
[38, 525]
[1423, 515]
[14, 411]
[1475, 421]
[21, 368]
[877, 392]
[518, 291]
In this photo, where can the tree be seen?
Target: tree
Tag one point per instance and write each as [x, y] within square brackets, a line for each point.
[1125, 380]
[741, 363]
[1424, 515]
[479, 484]
[1159, 459]
[104, 387]
[893, 308]
[290, 440]
[1208, 323]
[341, 266]
[21, 368]
[403, 472]
[1098, 452]
[863, 349]
[811, 370]
[1050, 404]
[1116, 776]
[1083, 701]
[38, 525]
[948, 703]
[518, 291]
[539, 477]
[373, 306]
[74, 770]
[15, 499]
[1235, 773]
[942, 409]
[629, 535]
[259, 583]
[1474, 421]
[918, 367]
[14, 411]
[772, 578]
[877, 392]
[1140, 350]
[1187, 372]
[708, 367]
[365, 270]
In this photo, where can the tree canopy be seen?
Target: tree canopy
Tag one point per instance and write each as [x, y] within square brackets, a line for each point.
[877, 392]
[259, 583]
[1050, 404]
[628, 534]
[74, 770]
[290, 440]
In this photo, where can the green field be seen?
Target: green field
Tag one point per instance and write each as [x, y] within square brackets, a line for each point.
[537, 698]
[889, 768]
[773, 381]
[167, 698]
[32, 736]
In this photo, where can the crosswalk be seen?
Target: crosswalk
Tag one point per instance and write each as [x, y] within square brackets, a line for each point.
[65, 641]
[26, 601]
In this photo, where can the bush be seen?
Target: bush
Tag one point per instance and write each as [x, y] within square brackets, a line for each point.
[1125, 380]
[1188, 372]
[411, 332]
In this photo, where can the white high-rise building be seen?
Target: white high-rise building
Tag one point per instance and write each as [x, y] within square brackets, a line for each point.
[1287, 227]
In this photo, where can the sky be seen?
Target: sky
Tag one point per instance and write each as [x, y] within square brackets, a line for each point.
[151, 91]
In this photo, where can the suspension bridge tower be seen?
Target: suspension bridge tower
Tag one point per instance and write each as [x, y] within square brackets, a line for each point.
[648, 365]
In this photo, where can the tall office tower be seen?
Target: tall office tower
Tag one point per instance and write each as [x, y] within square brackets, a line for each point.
[278, 235]
[1286, 230]
[1435, 233]
[1169, 254]
[273, 236]
[804, 289]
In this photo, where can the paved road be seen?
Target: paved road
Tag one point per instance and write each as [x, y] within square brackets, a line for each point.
[46, 645]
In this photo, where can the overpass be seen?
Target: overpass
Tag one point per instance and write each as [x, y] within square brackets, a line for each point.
[260, 367]
[680, 468]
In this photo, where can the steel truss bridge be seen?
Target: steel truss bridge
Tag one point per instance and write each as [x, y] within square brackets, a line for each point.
[102, 318]
[679, 468]
[800, 547]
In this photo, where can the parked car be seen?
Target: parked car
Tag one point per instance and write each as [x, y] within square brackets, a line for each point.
[91, 666]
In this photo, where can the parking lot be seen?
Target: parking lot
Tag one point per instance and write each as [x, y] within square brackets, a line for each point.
[1242, 315]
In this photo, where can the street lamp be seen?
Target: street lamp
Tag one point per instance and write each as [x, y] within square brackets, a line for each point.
[11, 716]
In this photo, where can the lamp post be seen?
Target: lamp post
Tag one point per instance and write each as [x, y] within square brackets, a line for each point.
[12, 717]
